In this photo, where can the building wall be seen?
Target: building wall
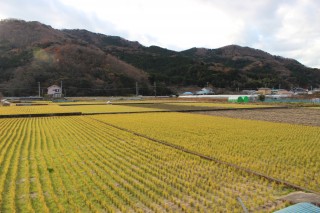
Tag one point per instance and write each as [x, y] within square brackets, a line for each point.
[264, 91]
[54, 91]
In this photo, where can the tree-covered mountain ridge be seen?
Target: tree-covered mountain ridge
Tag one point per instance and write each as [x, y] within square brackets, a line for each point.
[95, 64]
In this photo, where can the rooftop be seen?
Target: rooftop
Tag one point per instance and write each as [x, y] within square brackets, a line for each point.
[300, 208]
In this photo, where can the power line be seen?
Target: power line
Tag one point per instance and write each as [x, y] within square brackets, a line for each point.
[89, 88]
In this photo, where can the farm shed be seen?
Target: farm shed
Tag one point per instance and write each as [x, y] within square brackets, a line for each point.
[264, 91]
[205, 91]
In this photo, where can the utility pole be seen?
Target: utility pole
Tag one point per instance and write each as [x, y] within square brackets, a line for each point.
[39, 89]
[244, 208]
[137, 89]
[155, 89]
[61, 89]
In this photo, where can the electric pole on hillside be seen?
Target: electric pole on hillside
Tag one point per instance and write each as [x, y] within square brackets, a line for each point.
[155, 89]
[137, 89]
[61, 90]
[39, 89]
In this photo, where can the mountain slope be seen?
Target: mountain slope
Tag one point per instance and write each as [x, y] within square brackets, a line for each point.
[96, 64]
[31, 52]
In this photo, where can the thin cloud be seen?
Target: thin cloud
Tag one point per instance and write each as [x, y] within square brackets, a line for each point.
[56, 14]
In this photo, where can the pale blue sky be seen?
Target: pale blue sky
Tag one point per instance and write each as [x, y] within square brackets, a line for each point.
[289, 28]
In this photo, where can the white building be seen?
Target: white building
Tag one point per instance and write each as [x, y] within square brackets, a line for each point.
[54, 91]
[205, 91]
[4, 102]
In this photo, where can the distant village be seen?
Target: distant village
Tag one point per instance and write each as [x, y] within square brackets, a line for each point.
[252, 95]
[54, 92]
[260, 91]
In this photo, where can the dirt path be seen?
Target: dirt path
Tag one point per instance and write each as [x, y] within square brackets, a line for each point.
[298, 197]
[304, 116]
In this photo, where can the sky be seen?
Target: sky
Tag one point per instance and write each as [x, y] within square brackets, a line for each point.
[288, 28]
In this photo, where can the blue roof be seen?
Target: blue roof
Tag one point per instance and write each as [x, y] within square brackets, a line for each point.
[300, 208]
[187, 93]
[201, 93]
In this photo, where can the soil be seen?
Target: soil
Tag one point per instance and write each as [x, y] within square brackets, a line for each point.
[298, 197]
[303, 116]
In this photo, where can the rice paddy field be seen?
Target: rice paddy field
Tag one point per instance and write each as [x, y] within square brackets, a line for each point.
[118, 107]
[86, 108]
[92, 109]
[44, 109]
[285, 151]
[196, 106]
[117, 163]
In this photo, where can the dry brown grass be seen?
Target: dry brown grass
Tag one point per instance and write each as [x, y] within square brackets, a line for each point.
[310, 117]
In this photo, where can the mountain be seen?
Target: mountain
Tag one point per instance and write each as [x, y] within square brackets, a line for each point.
[96, 64]
[31, 52]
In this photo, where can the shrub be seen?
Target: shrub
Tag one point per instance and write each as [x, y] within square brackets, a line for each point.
[261, 97]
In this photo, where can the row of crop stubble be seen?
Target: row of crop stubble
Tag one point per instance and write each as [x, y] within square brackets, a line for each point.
[92, 107]
[48, 109]
[68, 164]
[283, 151]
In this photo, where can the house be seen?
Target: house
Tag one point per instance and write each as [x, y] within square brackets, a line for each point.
[248, 92]
[205, 91]
[187, 93]
[264, 91]
[299, 91]
[54, 91]
[284, 92]
[316, 90]
[4, 102]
